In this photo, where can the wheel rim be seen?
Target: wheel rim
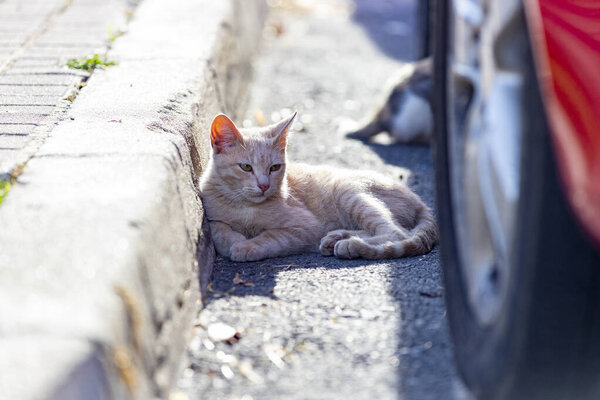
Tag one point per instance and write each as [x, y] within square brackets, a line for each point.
[485, 83]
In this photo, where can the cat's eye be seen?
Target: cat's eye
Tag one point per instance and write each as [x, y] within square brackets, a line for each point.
[246, 167]
[275, 167]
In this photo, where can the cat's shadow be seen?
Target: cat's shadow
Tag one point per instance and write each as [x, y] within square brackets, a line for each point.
[259, 278]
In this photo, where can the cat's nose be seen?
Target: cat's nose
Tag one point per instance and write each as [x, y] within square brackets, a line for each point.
[263, 188]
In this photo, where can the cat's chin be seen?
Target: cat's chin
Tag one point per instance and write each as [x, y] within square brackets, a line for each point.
[257, 199]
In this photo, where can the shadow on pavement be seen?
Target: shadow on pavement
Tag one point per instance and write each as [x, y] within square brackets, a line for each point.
[260, 276]
[391, 24]
[423, 347]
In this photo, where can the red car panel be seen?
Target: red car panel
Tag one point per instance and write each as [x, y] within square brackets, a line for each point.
[566, 38]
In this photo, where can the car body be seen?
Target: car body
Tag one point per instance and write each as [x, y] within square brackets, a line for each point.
[516, 105]
[566, 43]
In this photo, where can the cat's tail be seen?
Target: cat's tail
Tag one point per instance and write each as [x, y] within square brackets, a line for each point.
[423, 236]
[421, 240]
[368, 129]
[378, 120]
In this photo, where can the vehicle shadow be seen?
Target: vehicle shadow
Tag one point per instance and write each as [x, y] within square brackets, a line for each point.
[427, 365]
[415, 158]
[391, 24]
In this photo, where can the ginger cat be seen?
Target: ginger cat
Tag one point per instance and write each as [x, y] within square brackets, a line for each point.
[261, 206]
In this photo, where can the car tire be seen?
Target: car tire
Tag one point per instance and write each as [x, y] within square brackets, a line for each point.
[544, 343]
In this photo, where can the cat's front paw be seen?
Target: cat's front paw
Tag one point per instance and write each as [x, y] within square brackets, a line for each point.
[328, 241]
[348, 248]
[244, 251]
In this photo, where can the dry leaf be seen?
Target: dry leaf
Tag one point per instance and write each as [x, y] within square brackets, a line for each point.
[239, 281]
[277, 27]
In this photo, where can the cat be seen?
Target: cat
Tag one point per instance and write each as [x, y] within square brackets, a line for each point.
[260, 206]
[405, 108]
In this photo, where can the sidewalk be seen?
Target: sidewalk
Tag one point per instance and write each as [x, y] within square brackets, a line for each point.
[36, 40]
[103, 249]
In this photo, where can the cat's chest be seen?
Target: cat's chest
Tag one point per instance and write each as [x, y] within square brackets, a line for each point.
[247, 218]
[250, 221]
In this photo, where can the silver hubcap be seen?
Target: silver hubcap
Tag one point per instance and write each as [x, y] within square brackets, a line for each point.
[485, 85]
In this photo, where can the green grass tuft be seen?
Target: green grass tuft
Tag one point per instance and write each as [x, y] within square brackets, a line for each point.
[8, 180]
[90, 63]
[5, 186]
[113, 33]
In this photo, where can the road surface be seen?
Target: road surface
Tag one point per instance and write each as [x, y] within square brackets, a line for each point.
[313, 327]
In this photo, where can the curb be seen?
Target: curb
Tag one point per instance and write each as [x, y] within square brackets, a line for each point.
[103, 238]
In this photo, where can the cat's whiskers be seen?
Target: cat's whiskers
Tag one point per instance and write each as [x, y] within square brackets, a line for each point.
[238, 194]
[290, 196]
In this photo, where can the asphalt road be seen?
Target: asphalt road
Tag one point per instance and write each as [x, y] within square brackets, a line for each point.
[313, 327]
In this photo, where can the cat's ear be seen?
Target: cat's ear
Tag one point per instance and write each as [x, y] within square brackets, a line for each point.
[224, 134]
[280, 131]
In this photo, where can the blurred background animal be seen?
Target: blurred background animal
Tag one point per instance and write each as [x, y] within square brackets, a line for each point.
[404, 111]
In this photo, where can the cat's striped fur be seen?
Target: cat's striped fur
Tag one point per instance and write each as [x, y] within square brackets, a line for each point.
[272, 211]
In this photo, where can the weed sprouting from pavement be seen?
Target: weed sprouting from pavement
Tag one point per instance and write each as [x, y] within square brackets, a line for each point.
[113, 33]
[9, 179]
[5, 185]
[90, 63]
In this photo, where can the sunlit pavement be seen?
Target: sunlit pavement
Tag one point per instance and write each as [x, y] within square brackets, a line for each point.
[310, 327]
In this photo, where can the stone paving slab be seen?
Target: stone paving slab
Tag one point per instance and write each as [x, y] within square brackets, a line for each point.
[26, 99]
[21, 118]
[51, 79]
[14, 142]
[55, 91]
[14, 129]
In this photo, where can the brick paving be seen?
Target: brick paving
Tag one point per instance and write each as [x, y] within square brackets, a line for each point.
[37, 37]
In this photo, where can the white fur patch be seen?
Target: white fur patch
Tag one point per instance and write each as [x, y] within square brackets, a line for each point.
[414, 121]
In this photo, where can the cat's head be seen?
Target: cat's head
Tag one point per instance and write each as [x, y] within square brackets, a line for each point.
[250, 163]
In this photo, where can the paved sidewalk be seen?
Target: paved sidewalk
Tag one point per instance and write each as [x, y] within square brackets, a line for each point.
[104, 251]
[37, 37]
